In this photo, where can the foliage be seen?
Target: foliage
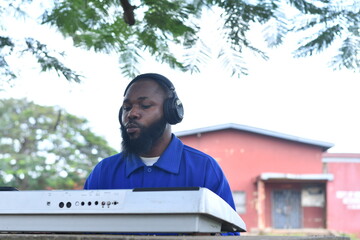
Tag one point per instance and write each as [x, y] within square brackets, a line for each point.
[130, 28]
[44, 147]
[48, 59]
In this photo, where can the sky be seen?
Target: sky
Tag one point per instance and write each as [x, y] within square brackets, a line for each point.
[300, 97]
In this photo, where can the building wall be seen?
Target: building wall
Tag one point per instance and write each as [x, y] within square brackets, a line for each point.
[243, 156]
[343, 192]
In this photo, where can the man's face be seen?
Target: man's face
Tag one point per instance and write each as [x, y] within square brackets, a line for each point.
[142, 116]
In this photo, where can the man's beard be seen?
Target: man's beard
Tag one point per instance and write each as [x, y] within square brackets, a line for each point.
[148, 136]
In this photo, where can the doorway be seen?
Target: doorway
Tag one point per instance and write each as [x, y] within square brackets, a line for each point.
[286, 209]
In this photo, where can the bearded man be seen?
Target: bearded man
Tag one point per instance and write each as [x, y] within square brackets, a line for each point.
[152, 156]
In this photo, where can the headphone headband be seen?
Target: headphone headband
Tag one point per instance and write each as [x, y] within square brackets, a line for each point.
[154, 76]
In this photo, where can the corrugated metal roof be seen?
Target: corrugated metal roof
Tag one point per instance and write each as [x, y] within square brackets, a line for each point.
[324, 145]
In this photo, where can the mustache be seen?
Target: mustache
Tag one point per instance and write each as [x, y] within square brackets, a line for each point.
[132, 124]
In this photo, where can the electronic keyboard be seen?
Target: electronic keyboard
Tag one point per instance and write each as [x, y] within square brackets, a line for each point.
[159, 210]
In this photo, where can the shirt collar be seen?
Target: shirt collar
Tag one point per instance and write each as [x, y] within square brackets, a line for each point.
[168, 161]
[133, 162]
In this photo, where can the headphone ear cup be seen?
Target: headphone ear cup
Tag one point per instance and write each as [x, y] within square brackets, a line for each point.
[173, 110]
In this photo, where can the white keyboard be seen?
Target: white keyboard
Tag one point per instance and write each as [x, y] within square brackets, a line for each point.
[196, 210]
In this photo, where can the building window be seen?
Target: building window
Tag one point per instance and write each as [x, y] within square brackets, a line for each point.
[313, 196]
[240, 201]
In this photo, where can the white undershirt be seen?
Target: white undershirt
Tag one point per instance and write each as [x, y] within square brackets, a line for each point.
[149, 161]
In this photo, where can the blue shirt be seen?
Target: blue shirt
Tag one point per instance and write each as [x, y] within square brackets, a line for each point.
[178, 166]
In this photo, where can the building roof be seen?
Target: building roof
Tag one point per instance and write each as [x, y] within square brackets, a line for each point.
[324, 145]
[302, 177]
[341, 157]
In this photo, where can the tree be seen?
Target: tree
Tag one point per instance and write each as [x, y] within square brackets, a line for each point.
[130, 28]
[45, 147]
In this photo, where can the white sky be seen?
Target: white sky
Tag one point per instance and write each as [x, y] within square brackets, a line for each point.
[300, 97]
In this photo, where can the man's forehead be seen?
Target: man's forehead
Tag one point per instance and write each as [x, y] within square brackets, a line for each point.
[146, 83]
[145, 86]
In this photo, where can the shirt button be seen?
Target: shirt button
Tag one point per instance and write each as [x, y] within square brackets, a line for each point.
[149, 169]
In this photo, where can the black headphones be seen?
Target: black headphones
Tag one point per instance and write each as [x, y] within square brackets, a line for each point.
[173, 108]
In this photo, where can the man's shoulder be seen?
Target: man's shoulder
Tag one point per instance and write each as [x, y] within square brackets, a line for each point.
[195, 152]
[111, 159]
[196, 158]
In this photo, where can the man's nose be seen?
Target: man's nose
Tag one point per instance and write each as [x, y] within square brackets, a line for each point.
[134, 113]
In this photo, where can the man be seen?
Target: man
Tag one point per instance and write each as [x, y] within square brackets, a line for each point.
[151, 155]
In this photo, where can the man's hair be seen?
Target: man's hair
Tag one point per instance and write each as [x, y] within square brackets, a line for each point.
[163, 81]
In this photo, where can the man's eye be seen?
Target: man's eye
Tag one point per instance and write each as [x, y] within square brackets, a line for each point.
[146, 106]
[126, 108]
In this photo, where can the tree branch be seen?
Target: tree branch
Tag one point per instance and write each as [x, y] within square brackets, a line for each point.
[57, 120]
[129, 17]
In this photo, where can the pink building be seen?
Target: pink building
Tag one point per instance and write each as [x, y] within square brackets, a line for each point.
[278, 180]
[343, 192]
